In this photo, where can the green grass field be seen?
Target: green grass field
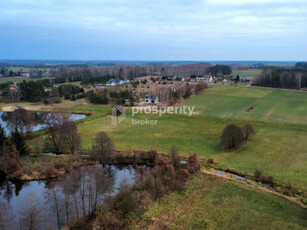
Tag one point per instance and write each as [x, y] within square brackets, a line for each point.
[214, 203]
[269, 105]
[278, 148]
[18, 80]
[249, 73]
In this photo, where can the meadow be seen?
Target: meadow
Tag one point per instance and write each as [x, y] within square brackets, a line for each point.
[18, 79]
[249, 73]
[278, 148]
[239, 207]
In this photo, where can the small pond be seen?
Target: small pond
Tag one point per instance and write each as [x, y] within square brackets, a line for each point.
[5, 118]
[53, 202]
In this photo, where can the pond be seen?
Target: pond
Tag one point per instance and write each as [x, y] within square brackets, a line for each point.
[54, 202]
[36, 117]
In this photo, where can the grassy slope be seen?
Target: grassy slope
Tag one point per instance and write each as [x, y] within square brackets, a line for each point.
[239, 207]
[249, 73]
[277, 149]
[273, 106]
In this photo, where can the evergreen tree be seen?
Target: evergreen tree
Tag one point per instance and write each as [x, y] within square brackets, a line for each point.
[18, 140]
[3, 138]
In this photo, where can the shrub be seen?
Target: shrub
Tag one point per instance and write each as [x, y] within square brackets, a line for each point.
[248, 131]
[174, 156]
[45, 101]
[267, 180]
[210, 161]
[67, 96]
[257, 174]
[73, 98]
[232, 137]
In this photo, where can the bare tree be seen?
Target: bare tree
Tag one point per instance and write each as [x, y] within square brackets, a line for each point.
[99, 182]
[9, 159]
[103, 146]
[70, 137]
[31, 215]
[53, 122]
[53, 197]
[21, 120]
[5, 217]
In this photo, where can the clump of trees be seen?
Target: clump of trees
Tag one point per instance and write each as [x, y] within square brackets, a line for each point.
[167, 175]
[219, 69]
[172, 95]
[98, 96]
[103, 96]
[233, 136]
[31, 91]
[9, 155]
[20, 119]
[301, 65]
[282, 78]
[120, 96]
[62, 133]
[68, 91]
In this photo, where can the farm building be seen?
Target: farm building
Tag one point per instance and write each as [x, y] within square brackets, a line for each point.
[151, 99]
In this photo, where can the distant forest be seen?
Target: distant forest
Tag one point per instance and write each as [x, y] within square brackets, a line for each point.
[283, 78]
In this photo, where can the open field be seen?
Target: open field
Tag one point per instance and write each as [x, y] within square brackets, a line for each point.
[249, 73]
[277, 149]
[279, 119]
[18, 79]
[269, 105]
[214, 203]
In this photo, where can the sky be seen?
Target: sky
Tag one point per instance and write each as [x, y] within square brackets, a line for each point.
[195, 30]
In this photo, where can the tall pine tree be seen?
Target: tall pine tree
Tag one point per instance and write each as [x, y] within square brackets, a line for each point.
[3, 138]
[18, 140]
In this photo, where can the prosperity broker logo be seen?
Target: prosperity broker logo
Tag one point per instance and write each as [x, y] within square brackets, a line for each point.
[118, 114]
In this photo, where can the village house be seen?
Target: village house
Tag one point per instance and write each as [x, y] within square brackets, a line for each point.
[245, 79]
[151, 99]
[25, 74]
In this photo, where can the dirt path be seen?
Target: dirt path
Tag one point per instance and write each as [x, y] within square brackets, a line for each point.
[29, 108]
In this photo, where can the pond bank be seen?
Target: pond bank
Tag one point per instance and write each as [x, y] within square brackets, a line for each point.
[73, 189]
[51, 166]
[300, 200]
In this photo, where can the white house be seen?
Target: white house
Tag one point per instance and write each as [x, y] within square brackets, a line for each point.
[151, 99]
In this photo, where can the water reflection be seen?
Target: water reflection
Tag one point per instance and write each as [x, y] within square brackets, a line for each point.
[63, 199]
[27, 121]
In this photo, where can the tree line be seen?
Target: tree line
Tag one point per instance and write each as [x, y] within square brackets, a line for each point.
[282, 78]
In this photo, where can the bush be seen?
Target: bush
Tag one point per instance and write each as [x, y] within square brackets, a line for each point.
[45, 101]
[232, 137]
[248, 131]
[210, 161]
[174, 156]
[257, 174]
[67, 96]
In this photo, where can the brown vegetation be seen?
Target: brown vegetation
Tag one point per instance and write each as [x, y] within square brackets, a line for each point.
[233, 136]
